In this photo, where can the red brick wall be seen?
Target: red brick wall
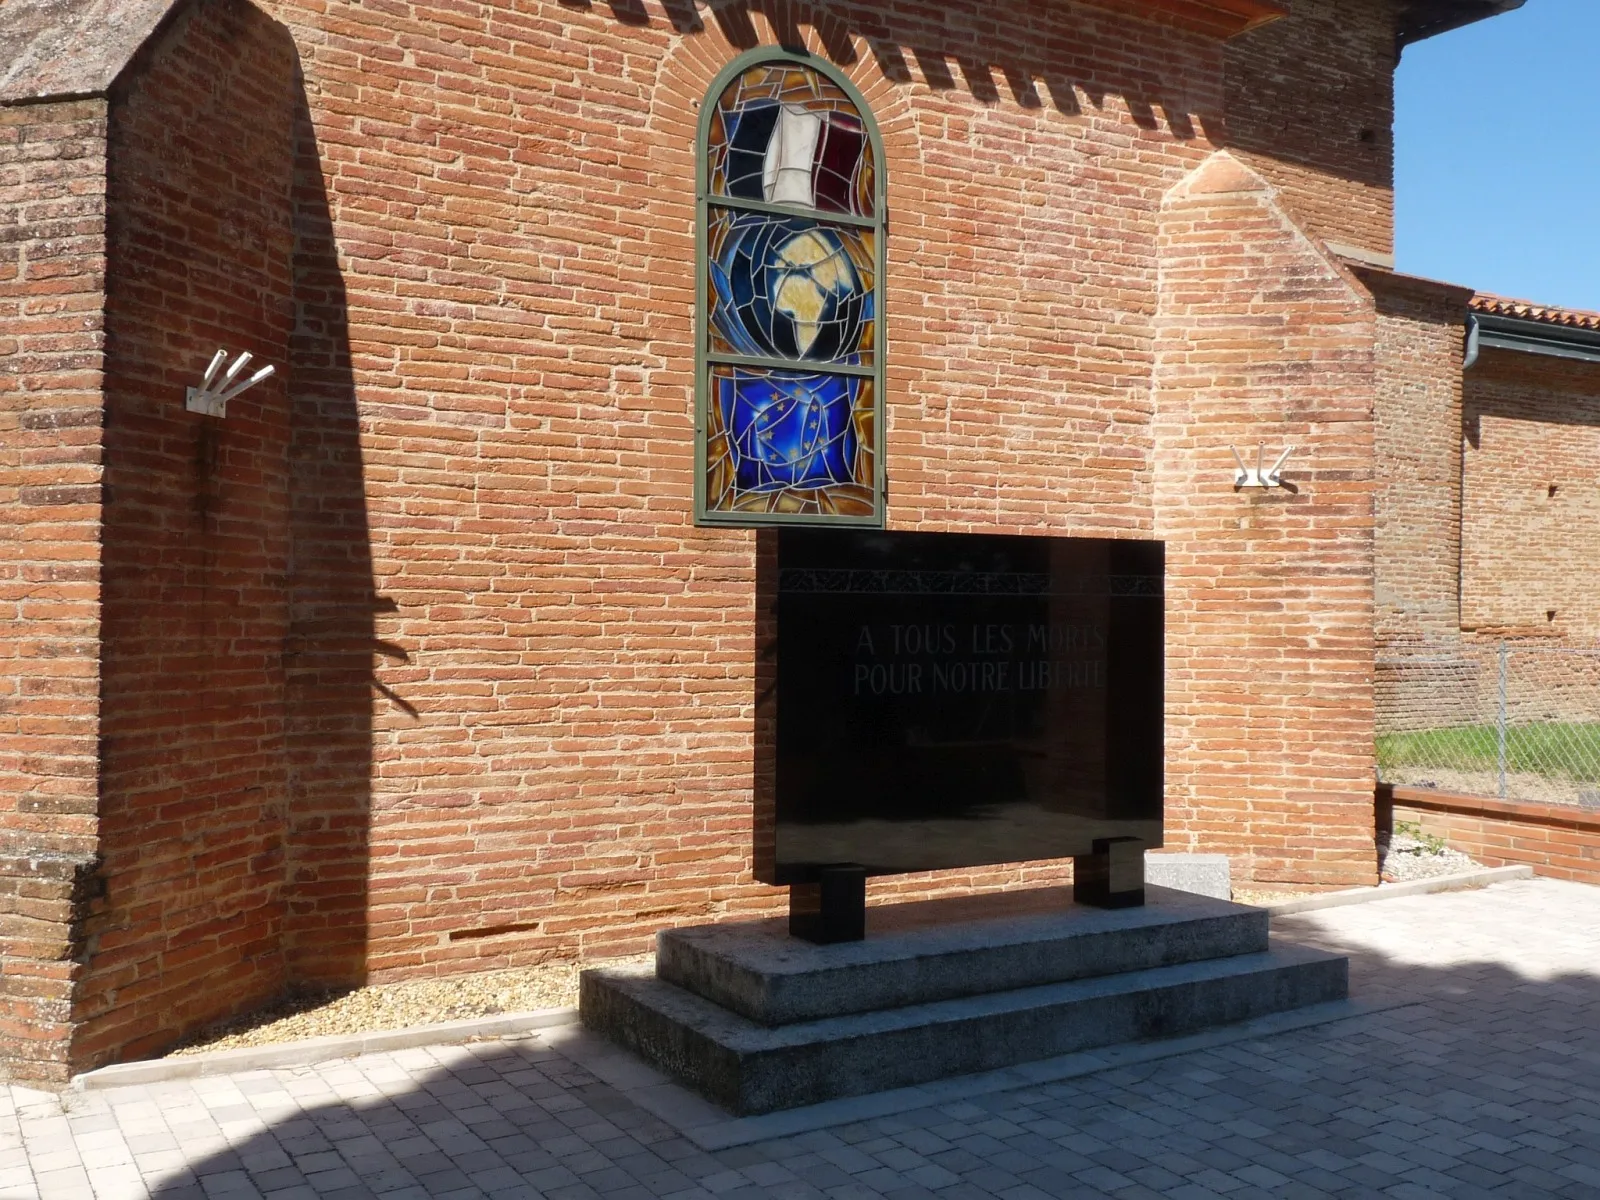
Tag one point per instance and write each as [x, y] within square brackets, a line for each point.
[1263, 338]
[1473, 546]
[1421, 340]
[52, 267]
[1423, 678]
[1559, 841]
[416, 662]
[563, 749]
[197, 547]
[1471, 536]
[1530, 480]
[1310, 106]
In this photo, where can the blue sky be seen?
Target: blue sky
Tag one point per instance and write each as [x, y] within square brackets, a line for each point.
[1497, 155]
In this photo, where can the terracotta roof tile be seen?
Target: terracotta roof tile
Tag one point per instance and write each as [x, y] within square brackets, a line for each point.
[1504, 306]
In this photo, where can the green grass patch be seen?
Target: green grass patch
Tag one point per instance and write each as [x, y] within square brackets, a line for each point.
[1555, 750]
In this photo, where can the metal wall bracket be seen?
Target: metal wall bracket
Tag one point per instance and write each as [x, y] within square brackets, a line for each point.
[1258, 475]
[213, 394]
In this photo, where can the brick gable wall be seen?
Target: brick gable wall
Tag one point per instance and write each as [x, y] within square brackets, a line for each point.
[193, 772]
[561, 759]
[52, 278]
[1264, 338]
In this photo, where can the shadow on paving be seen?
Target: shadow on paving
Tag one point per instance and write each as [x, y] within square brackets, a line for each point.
[1488, 1086]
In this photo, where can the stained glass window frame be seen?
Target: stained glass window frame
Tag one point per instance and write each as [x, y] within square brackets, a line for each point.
[708, 359]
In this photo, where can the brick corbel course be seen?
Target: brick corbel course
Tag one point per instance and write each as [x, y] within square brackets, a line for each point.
[1263, 336]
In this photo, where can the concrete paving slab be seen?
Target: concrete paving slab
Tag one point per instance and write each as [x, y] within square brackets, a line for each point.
[1472, 1073]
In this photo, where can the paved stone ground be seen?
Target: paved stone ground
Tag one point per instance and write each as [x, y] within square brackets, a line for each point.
[1488, 1085]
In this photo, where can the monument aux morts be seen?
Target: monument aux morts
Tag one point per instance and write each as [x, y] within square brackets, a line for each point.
[714, 461]
[934, 701]
[955, 700]
[924, 700]
[938, 701]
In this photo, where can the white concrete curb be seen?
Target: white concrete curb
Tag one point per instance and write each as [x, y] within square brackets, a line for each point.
[1391, 891]
[314, 1050]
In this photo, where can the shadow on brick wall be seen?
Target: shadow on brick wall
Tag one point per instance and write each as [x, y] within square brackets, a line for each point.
[1550, 391]
[328, 655]
[1316, 89]
[238, 605]
[967, 46]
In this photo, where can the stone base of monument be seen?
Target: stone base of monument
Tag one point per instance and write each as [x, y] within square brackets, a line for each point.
[1203, 874]
[758, 1020]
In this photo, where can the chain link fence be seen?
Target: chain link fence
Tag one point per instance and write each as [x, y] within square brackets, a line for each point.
[1505, 719]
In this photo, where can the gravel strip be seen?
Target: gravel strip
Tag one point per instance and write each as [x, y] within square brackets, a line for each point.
[1264, 898]
[1405, 856]
[401, 1005]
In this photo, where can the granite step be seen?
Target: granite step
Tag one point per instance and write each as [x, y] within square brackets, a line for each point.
[750, 1068]
[944, 949]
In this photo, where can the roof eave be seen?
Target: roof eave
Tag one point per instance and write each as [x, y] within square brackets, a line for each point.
[1499, 332]
[1421, 19]
[1214, 18]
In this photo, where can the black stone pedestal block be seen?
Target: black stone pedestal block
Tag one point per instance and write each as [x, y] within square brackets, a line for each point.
[833, 909]
[1111, 877]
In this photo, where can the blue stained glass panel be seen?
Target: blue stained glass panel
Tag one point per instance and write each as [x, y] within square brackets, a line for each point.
[788, 430]
[790, 288]
[790, 441]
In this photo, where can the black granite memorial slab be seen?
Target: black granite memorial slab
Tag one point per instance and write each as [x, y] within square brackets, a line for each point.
[941, 700]
[938, 700]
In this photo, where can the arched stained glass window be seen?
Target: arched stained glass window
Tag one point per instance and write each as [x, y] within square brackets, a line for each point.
[790, 314]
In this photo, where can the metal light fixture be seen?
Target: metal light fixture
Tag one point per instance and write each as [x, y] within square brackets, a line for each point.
[1258, 475]
[213, 394]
